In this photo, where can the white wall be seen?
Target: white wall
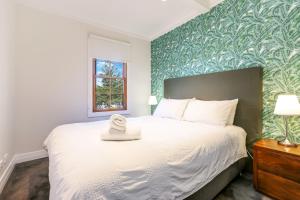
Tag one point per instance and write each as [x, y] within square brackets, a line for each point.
[51, 74]
[6, 79]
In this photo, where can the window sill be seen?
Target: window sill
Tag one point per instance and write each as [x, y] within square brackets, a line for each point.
[108, 113]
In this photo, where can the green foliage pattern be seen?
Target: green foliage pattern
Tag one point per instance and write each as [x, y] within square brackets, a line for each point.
[238, 34]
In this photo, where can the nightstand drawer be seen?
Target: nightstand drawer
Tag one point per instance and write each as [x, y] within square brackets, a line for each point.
[279, 164]
[277, 187]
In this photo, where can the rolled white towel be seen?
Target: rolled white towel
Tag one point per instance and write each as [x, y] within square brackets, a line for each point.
[114, 131]
[132, 133]
[118, 122]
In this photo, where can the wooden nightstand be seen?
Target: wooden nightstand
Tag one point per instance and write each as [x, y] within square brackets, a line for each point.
[276, 170]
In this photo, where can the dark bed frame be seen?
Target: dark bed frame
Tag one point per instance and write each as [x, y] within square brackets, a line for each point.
[244, 84]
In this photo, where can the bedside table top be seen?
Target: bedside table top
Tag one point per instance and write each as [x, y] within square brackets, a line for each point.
[272, 145]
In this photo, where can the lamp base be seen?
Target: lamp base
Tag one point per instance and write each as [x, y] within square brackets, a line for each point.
[287, 143]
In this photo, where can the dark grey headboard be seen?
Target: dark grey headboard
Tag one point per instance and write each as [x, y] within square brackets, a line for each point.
[244, 84]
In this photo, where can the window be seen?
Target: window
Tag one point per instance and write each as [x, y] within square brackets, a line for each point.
[108, 63]
[109, 85]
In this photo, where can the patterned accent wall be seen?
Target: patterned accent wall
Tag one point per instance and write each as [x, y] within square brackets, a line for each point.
[238, 34]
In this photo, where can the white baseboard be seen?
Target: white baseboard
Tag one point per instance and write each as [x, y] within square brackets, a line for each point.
[19, 158]
[24, 157]
[6, 173]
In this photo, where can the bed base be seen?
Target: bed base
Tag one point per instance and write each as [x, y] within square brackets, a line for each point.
[214, 187]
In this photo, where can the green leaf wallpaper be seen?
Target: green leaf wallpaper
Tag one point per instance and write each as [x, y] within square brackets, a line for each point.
[238, 34]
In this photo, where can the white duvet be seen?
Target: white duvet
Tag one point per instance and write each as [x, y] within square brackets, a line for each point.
[172, 160]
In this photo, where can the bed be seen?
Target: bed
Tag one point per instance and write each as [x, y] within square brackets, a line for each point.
[174, 160]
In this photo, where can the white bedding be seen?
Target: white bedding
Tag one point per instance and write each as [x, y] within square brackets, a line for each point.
[172, 160]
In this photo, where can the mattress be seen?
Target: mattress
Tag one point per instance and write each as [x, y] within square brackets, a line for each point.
[173, 159]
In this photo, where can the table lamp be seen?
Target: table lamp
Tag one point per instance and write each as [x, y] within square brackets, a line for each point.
[287, 106]
[152, 101]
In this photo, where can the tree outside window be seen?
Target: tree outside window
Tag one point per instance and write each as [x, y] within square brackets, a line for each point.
[110, 85]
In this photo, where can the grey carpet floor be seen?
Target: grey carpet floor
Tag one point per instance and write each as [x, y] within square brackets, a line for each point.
[29, 181]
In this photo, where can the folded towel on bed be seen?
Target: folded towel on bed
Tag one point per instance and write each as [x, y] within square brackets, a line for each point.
[115, 131]
[118, 122]
[132, 133]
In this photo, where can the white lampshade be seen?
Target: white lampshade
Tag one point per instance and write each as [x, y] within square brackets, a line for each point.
[152, 100]
[287, 105]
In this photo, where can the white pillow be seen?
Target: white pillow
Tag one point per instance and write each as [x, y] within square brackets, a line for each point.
[171, 108]
[211, 112]
[233, 110]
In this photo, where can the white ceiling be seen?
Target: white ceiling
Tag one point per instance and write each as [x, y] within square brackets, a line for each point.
[146, 19]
